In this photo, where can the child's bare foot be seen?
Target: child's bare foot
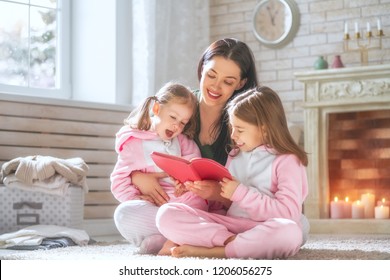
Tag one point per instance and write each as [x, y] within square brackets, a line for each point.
[167, 248]
[201, 252]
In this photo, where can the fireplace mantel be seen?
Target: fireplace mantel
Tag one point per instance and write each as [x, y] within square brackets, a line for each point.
[332, 91]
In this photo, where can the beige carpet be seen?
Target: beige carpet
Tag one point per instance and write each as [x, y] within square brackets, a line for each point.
[318, 247]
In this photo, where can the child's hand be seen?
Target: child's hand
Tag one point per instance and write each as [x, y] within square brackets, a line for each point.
[180, 189]
[228, 187]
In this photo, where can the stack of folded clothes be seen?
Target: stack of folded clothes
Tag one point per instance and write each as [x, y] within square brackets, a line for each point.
[44, 237]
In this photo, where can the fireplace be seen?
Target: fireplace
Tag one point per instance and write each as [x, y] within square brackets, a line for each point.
[347, 136]
[359, 154]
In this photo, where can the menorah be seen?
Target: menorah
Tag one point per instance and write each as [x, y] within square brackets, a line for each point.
[366, 43]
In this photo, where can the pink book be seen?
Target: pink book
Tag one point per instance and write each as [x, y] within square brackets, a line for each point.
[196, 169]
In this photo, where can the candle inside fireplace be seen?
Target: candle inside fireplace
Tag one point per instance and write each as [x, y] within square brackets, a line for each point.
[382, 212]
[357, 210]
[368, 200]
[383, 202]
[347, 208]
[337, 209]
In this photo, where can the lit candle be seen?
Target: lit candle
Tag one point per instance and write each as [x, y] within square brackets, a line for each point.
[356, 27]
[368, 27]
[379, 24]
[347, 208]
[368, 200]
[383, 202]
[382, 212]
[346, 28]
[357, 210]
[337, 209]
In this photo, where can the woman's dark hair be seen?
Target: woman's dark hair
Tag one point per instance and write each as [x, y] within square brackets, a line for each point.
[241, 54]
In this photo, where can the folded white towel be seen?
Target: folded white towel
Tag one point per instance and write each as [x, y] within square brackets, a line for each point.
[33, 235]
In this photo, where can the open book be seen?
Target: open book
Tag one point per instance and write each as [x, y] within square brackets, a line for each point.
[196, 169]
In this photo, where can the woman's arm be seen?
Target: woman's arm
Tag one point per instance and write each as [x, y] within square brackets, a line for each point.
[148, 184]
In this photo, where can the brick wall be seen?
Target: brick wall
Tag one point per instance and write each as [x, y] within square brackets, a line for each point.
[320, 33]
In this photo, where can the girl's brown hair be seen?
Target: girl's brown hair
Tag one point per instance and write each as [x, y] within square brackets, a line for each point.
[140, 118]
[263, 108]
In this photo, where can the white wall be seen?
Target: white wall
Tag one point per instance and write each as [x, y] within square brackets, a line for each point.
[320, 33]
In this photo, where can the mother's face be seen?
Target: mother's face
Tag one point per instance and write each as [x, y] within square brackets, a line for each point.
[220, 78]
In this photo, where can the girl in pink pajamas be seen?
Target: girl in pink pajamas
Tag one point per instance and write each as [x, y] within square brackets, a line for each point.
[173, 108]
[264, 219]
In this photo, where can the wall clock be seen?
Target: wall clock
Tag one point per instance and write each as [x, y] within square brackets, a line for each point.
[275, 22]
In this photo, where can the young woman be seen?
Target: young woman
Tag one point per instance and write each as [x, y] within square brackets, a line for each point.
[266, 194]
[226, 68]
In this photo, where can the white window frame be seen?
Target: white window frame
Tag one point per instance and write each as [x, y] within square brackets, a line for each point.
[63, 89]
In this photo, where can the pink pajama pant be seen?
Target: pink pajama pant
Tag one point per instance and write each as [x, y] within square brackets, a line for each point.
[271, 239]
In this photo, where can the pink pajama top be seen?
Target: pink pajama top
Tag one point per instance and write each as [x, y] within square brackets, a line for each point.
[272, 186]
[134, 148]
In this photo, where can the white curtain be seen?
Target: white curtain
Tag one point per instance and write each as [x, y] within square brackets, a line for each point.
[169, 37]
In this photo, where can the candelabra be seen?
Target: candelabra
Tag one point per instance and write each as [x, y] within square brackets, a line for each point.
[364, 43]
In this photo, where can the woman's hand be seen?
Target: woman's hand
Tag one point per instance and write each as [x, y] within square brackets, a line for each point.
[148, 184]
[210, 190]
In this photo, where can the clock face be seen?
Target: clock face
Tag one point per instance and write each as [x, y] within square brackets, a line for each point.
[273, 21]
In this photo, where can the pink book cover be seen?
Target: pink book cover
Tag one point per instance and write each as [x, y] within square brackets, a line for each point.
[196, 169]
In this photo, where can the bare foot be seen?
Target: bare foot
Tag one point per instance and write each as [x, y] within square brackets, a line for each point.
[201, 252]
[166, 250]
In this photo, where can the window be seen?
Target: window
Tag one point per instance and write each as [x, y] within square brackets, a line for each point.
[34, 47]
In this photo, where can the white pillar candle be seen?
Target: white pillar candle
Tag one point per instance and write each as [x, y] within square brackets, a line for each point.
[382, 212]
[368, 200]
[356, 27]
[383, 202]
[357, 210]
[347, 208]
[379, 24]
[346, 28]
[368, 27]
[337, 209]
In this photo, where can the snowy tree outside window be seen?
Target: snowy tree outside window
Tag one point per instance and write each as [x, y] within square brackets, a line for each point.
[30, 47]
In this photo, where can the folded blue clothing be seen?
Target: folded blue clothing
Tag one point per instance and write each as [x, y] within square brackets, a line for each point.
[47, 244]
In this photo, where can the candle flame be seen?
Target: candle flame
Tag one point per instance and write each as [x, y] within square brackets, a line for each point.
[383, 200]
[358, 202]
[347, 199]
[336, 199]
